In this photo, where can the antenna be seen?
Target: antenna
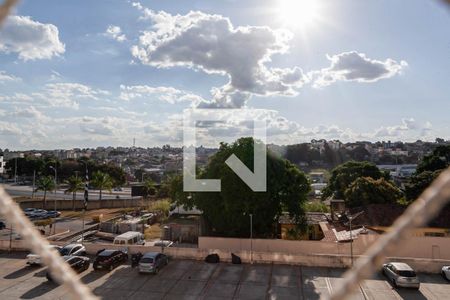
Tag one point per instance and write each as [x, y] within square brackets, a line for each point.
[134, 142]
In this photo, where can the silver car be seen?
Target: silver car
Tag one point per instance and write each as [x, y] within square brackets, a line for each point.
[401, 275]
[152, 262]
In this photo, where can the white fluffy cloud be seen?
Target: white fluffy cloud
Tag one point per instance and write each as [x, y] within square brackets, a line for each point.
[115, 32]
[166, 94]
[354, 66]
[30, 39]
[5, 77]
[212, 44]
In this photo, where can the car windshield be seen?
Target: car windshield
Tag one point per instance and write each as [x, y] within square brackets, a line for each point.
[65, 251]
[407, 273]
[147, 260]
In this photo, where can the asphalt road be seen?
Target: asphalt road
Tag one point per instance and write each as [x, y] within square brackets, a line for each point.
[183, 279]
[19, 190]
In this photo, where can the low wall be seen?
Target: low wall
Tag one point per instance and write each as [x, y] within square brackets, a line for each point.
[419, 247]
[315, 260]
[92, 204]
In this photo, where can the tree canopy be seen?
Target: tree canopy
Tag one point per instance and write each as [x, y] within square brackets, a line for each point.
[439, 159]
[366, 190]
[345, 174]
[227, 212]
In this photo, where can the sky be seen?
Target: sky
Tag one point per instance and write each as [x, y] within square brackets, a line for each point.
[100, 73]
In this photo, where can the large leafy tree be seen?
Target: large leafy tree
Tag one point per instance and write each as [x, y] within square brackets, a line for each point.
[439, 159]
[45, 184]
[366, 190]
[344, 175]
[74, 184]
[102, 181]
[418, 183]
[228, 211]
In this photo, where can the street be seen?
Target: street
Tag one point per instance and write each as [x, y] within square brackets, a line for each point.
[185, 279]
[26, 191]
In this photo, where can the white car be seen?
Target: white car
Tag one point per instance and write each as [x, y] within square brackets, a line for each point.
[446, 272]
[401, 275]
[73, 250]
[34, 259]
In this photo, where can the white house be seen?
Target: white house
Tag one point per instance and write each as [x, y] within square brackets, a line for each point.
[2, 165]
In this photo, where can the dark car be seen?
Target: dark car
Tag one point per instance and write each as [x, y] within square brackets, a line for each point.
[109, 259]
[77, 263]
[2, 225]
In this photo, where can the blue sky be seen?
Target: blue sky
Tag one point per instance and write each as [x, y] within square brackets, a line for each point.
[97, 73]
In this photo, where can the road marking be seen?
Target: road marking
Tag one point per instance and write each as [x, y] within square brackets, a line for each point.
[329, 287]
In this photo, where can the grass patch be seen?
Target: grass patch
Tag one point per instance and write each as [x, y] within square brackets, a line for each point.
[154, 232]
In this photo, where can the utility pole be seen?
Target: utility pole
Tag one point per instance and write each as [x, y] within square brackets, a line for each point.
[251, 238]
[351, 240]
[56, 189]
[34, 184]
[15, 169]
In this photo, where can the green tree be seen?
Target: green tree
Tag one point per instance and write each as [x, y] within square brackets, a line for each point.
[102, 181]
[149, 187]
[75, 184]
[366, 190]
[439, 159]
[46, 183]
[418, 183]
[343, 175]
[227, 212]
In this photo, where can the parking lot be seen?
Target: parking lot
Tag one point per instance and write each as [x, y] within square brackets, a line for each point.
[183, 279]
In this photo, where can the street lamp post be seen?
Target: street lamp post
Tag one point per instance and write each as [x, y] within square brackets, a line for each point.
[350, 218]
[85, 198]
[56, 189]
[251, 238]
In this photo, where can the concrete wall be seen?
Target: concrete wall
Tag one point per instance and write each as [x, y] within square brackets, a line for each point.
[92, 204]
[418, 247]
[317, 260]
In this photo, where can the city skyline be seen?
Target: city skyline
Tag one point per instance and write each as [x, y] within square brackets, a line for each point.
[113, 71]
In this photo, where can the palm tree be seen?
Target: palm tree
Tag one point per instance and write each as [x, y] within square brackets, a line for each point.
[149, 187]
[102, 181]
[45, 184]
[75, 184]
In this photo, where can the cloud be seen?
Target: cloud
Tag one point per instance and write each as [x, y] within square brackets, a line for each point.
[68, 94]
[28, 112]
[4, 77]
[30, 39]
[407, 126]
[354, 66]
[212, 44]
[7, 129]
[166, 94]
[115, 32]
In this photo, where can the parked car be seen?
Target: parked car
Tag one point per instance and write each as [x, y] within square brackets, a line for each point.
[163, 243]
[53, 214]
[401, 275]
[38, 214]
[73, 250]
[446, 272]
[109, 259]
[2, 225]
[29, 211]
[152, 262]
[34, 259]
[129, 238]
[77, 263]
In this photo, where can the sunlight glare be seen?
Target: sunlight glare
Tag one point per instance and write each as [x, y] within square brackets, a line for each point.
[298, 13]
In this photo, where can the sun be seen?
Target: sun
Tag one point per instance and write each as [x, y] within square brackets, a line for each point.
[298, 13]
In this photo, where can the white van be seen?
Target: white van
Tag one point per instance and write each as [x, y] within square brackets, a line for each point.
[130, 238]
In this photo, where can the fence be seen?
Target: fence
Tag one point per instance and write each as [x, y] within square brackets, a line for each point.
[92, 204]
